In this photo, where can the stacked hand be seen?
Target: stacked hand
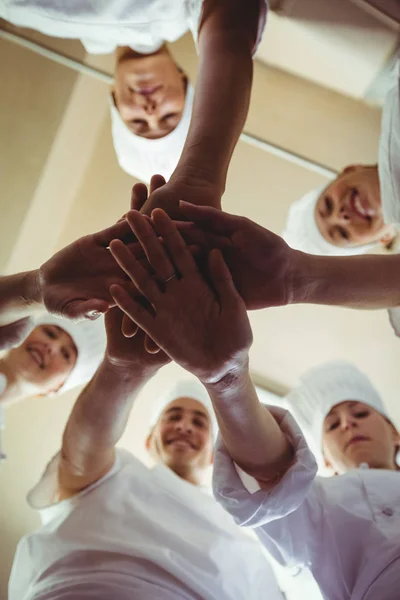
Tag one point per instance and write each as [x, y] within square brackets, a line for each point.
[129, 354]
[263, 267]
[202, 326]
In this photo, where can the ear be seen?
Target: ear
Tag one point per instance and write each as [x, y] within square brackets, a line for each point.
[388, 236]
[148, 441]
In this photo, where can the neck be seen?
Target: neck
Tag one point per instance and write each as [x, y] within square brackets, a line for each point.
[126, 53]
[189, 474]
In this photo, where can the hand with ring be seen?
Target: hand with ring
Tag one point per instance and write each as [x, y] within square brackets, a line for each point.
[202, 326]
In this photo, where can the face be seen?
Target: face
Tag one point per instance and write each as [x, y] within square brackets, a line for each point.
[348, 213]
[355, 433]
[182, 437]
[149, 93]
[45, 358]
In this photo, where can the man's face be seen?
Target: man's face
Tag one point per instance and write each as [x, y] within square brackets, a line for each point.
[150, 93]
[355, 433]
[45, 358]
[182, 437]
[348, 213]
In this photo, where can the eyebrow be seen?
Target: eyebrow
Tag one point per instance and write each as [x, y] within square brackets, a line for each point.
[176, 409]
[351, 403]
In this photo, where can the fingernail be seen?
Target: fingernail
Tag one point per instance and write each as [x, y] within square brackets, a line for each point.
[94, 314]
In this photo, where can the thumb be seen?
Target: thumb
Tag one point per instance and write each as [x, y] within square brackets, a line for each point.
[210, 218]
[222, 280]
[85, 309]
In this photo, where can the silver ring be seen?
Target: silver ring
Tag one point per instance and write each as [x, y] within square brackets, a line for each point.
[169, 278]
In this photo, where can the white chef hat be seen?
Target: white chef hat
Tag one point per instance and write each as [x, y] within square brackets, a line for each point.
[186, 388]
[141, 157]
[302, 233]
[324, 387]
[89, 338]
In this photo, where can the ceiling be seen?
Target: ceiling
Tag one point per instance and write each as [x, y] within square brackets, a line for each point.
[60, 180]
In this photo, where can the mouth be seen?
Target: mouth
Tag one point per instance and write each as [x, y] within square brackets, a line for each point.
[356, 440]
[147, 90]
[360, 206]
[37, 356]
[181, 443]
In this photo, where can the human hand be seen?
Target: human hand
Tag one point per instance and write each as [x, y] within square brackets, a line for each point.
[204, 329]
[262, 265]
[14, 334]
[129, 353]
[193, 190]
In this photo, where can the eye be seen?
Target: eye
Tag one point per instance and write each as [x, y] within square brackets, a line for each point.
[328, 205]
[50, 333]
[138, 122]
[343, 233]
[199, 423]
[66, 354]
[333, 425]
[174, 418]
[169, 116]
[361, 414]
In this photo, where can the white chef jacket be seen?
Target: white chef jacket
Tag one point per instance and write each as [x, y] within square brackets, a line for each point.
[137, 534]
[101, 25]
[346, 529]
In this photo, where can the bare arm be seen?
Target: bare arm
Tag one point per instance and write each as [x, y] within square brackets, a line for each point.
[226, 40]
[19, 297]
[250, 433]
[101, 412]
[363, 282]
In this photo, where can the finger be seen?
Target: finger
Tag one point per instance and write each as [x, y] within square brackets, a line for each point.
[151, 346]
[152, 246]
[142, 279]
[222, 281]
[132, 308]
[129, 328]
[86, 309]
[156, 182]
[174, 242]
[138, 196]
[118, 231]
[210, 218]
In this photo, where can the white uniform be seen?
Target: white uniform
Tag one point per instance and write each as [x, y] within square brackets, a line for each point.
[137, 534]
[101, 25]
[346, 529]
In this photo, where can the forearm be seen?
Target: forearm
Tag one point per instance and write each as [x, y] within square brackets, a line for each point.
[19, 297]
[363, 282]
[99, 417]
[250, 433]
[220, 108]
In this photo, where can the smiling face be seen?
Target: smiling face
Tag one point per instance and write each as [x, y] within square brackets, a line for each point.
[182, 438]
[44, 359]
[349, 213]
[149, 92]
[355, 433]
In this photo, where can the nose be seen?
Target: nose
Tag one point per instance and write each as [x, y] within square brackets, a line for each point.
[343, 214]
[348, 422]
[184, 425]
[147, 102]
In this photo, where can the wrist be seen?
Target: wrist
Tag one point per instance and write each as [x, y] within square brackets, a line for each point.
[128, 370]
[32, 289]
[190, 172]
[304, 278]
[227, 381]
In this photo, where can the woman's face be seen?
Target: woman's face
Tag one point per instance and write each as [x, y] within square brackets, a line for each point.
[355, 433]
[348, 213]
[149, 93]
[45, 358]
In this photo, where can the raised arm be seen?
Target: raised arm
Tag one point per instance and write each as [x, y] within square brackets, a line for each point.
[268, 273]
[227, 37]
[208, 334]
[101, 411]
